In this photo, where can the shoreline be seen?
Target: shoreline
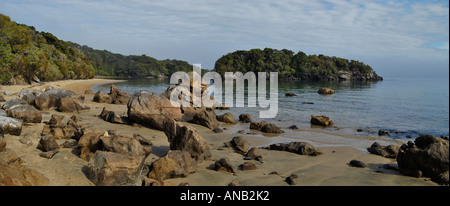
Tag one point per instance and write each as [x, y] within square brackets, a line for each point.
[328, 169]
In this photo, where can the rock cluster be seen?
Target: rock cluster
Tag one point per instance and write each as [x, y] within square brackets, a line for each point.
[427, 156]
[115, 96]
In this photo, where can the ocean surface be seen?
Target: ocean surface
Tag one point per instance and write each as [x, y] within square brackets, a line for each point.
[405, 107]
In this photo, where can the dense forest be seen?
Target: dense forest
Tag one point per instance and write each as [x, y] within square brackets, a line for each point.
[28, 55]
[109, 64]
[295, 66]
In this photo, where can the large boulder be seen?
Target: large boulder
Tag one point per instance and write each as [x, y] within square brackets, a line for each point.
[101, 97]
[227, 118]
[89, 143]
[47, 144]
[245, 118]
[175, 164]
[427, 156]
[390, 151]
[114, 169]
[115, 96]
[25, 112]
[122, 144]
[13, 102]
[185, 138]
[10, 125]
[43, 101]
[70, 105]
[111, 116]
[325, 91]
[151, 109]
[14, 173]
[207, 119]
[240, 144]
[266, 127]
[321, 120]
[301, 148]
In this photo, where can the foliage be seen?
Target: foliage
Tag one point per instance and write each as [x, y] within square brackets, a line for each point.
[26, 54]
[288, 64]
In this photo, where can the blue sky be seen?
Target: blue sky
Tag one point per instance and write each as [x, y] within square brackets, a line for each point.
[396, 37]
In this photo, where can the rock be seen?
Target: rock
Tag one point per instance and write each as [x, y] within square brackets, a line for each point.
[293, 127]
[185, 138]
[291, 179]
[240, 144]
[225, 165]
[267, 127]
[2, 144]
[88, 91]
[235, 182]
[112, 117]
[307, 102]
[56, 121]
[207, 119]
[248, 166]
[26, 113]
[3, 113]
[43, 101]
[2, 99]
[325, 91]
[146, 144]
[71, 105]
[290, 94]
[383, 133]
[10, 125]
[150, 109]
[217, 130]
[56, 94]
[301, 148]
[122, 144]
[13, 173]
[69, 144]
[47, 144]
[89, 143]
[321, 120]
[390, 151]
[26, 141]
[117, 96]
[254, 154]
[12, 103]
[175, 164]
[101, 97]
[245, 118]
[427, 156]
[114, 169]
[150, 182]
[357, 163]
[227, 118]
[49, 154]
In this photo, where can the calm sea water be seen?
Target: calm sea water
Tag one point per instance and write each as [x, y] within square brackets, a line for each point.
[404, 107]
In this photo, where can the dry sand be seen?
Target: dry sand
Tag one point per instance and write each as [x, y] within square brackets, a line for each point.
[330, 168]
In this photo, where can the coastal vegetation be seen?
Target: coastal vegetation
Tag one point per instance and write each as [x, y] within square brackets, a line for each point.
[290, 65]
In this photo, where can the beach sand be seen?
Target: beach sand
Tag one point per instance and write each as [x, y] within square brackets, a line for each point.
[328, 169]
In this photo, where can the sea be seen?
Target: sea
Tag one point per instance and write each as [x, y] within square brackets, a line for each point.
[404, 107]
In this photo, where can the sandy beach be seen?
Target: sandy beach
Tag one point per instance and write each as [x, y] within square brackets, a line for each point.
[331, 168]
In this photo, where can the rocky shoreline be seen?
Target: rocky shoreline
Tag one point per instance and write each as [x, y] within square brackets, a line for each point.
[57, 136]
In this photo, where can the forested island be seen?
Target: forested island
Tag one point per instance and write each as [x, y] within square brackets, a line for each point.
[29, 56]
[297, 66]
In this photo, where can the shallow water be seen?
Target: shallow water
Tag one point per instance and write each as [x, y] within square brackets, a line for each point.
[404, 107]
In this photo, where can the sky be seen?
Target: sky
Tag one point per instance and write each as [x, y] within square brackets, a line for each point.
[396, 38]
